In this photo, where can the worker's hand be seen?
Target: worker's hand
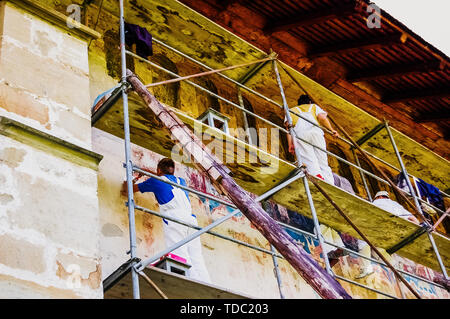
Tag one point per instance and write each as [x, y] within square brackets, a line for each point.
[137, 176]
[335, 133]
[413, 219]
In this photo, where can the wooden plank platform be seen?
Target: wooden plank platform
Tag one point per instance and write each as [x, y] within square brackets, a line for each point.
[174, 286]
[381, 227]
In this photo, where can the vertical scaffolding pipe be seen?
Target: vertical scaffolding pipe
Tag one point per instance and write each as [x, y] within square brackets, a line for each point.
[277, 271]
[128, 163]
[438, 256]
[247, 128]
[216, 223]
[288, 114]
[416, 202]
[316, 225]
[363, 177]
[403, 168]
[299, 163]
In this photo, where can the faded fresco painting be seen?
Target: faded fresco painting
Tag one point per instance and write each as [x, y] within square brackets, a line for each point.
[229, 263]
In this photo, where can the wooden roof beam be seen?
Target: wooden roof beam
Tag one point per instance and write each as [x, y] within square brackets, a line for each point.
[443, 116]
[309, 18]
[354, 46]
[224, 4]
[416, 95]
[392, 71]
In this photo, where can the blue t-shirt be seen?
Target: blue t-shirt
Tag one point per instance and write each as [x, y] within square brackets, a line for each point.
[163, 191]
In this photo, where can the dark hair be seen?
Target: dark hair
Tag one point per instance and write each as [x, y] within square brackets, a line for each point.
[304, 99]
[166, 166]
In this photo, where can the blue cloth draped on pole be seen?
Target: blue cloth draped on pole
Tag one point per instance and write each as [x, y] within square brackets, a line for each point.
[426, 190]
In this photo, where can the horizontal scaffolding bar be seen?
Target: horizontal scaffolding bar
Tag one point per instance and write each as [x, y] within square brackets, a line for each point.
[145, 210]
[222, 75]
[273, 253]
[275, 125]
[259, 117]
[364, 286]
[277, 104]
[352, 252]
[264, 196]
[186, 188]
[292, 228]
[187, 77]
[178, 221]
[203, 89]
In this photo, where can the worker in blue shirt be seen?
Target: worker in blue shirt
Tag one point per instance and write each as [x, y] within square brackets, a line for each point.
[174, 202]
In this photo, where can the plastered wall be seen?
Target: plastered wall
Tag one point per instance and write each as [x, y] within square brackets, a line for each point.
[56, 214]
[232, 266]
[49, 223]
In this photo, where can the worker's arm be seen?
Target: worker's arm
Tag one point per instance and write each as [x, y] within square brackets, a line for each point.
[290, 140]
[324, 121]
[404, 213]
[124, 190]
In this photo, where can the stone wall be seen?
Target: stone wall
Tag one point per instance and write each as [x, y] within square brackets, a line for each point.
[49, 223]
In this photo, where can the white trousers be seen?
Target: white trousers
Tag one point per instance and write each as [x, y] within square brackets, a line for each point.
[316, 161]
[192, 251]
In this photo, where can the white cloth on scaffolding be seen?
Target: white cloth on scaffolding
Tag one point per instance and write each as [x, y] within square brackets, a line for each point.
[365, 250]
[392, 207]
[180, 207]
[316, 160]
[330, 235]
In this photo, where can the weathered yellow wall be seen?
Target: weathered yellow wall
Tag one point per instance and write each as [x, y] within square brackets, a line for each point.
[229, 265]
[72, 81]
[237, 268]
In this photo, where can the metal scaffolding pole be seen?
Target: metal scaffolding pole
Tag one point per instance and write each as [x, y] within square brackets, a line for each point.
[279, 127]
[299, 163]
[141, 266]
[200, 88]
[277, 272]
[186, 188]
[178, 221]
[364, 286]
[362, 140]
[274, 254]
[405, 173]
[366, 187]
[294, 229]
[416, 202]
[259, 117]
[129, 165]
[247, 128]
[129, 172]
[265, 98]
[220, 74]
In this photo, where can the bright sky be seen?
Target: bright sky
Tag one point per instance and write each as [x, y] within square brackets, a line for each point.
[429, 19]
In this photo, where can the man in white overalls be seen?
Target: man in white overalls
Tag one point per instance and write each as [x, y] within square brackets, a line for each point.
[174, 202]
[316, 161]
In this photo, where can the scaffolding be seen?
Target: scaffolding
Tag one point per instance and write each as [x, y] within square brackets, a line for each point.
[136, 267]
